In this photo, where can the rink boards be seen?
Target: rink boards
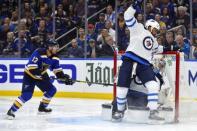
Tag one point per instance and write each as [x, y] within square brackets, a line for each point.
[93, 70]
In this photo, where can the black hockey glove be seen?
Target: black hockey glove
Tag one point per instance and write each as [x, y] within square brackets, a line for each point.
[68, 80]
[64, 78]
[137, 4]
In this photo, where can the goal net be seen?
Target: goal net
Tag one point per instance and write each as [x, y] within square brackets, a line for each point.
[174, 92]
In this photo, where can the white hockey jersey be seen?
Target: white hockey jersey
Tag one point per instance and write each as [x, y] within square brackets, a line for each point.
[142, 42]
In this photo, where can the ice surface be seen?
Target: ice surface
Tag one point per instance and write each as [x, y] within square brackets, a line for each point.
[74, 115]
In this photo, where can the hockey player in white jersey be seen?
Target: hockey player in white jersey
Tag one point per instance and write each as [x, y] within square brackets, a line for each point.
[137, 58]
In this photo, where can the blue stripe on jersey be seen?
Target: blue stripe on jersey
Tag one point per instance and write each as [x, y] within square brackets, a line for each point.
[136, 58]
[131, 25]
[153, 100]
[153, 94]
[129, 20]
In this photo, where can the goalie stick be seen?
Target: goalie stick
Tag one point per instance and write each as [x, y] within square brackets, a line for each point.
[88, 82]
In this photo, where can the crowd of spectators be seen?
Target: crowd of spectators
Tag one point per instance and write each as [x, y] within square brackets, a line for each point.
[36, 26]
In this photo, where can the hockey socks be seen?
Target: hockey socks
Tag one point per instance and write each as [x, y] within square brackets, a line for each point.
[16, 105]
[44, 103]
[121, 98]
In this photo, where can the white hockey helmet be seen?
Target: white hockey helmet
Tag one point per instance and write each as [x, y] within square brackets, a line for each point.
[152, 23]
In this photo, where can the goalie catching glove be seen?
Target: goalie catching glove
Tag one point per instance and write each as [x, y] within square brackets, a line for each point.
[64, 78]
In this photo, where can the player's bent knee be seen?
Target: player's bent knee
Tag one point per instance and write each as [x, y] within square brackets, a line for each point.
[152, 86]
[52, 92]
[26, 96]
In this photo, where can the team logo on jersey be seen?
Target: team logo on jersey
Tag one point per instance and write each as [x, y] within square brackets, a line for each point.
[148, 43]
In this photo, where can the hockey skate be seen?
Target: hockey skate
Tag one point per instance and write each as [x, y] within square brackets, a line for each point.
[117, 116]
[43, 109]
[154, 115]
[10, 115]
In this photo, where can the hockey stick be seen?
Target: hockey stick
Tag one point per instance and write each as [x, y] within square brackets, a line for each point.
[88, 82]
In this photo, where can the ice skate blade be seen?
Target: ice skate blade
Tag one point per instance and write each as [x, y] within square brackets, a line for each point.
[43, 113]
[9, 117]
[156, 122]
[116, 120]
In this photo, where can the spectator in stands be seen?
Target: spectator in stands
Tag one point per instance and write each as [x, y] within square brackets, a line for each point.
[92, 50]
[102, 36]
[60, 21]
[39, 38]
[81, 39]
[110, 14]
[14, 18]
[166, 18]
[183, 46]
[140, 18]
[80, 8]
[75, 51]
[42, 15]
[194, 31]
[7, 21]
[194, 43]
[163, 30]
[156, 6]
[91, 33]
[93, 7]
[66, 4]
[4, 11]
[100, 24]
[170, 43]
[122, 37]
[22, 47]
[195, 52]
[194, 4]
[111, 31]
[27, 9]
[125, 40]
[3, 31]
[182, 17]
[159, 40]
[8, 48]
[158, 19]
[149, 11]
[195, 23]
[108, 47]
[171, 10]
[73, 17]
[31, 26]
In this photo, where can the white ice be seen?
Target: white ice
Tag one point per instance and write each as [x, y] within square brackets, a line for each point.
[74, 115]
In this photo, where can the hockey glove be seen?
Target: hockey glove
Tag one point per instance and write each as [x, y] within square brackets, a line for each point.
[68, 80]
[64, 78]
[137, 4]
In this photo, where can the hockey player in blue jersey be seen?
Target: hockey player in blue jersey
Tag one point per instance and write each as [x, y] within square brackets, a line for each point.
[143, 45]
[35, 74]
